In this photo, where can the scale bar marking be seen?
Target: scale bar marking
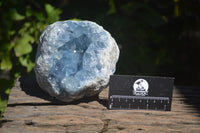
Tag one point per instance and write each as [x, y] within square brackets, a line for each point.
[139, 97]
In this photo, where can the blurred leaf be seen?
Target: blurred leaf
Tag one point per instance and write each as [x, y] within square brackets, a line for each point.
[49, 9]
[6, 85]
[131, 7]
[162, 57]
[24, 28]
[23, 61]
[40, 26]
[30, 66]
[7, 91]
[152, 18]
[52, 13]
[12, 32]
[6, 63]
[26, 62]
[29, 12]
[23, 45]
[3, 105]
[5, 88]
[21, 25]
[17, 74]
[176, 8]
[14, 15]
[75, 19]
[112, 7]
[5, 47]
[39, 16]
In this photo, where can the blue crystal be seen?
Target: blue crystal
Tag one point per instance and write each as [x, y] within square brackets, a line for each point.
[75, 59]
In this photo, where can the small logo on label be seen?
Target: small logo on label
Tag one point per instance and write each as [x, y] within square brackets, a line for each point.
[140, 87]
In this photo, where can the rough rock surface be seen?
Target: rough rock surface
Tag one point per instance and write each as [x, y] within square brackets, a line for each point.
[31, 110]
[75, 59]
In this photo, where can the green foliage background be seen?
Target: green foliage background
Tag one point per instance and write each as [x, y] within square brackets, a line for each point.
[155, 37]
[21, 25]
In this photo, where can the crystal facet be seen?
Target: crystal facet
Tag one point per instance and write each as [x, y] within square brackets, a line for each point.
[75, 59]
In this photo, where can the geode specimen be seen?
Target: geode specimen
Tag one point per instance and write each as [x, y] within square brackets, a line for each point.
[75, 59]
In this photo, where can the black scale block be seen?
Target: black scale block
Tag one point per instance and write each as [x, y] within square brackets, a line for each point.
[140, 92]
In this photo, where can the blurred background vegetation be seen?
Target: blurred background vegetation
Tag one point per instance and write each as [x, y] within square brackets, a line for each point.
[160, 38]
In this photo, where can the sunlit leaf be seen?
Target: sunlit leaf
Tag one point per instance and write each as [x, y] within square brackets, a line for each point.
[23, 45]
[6, 63]
[30, 66]
[52, 13]
[14, 15]
[23, 61]
[49, 9]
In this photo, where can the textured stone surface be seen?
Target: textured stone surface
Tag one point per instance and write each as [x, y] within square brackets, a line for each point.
[75, 59]
[30, 110]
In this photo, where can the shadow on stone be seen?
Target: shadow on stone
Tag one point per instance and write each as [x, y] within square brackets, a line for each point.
[30, 87]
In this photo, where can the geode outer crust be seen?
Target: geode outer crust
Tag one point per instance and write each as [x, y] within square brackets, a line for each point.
[75, 59]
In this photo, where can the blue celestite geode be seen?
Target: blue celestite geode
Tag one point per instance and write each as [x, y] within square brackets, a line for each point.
[75, 59]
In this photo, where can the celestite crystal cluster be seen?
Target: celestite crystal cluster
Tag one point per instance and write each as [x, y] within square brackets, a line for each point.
[75, 59]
